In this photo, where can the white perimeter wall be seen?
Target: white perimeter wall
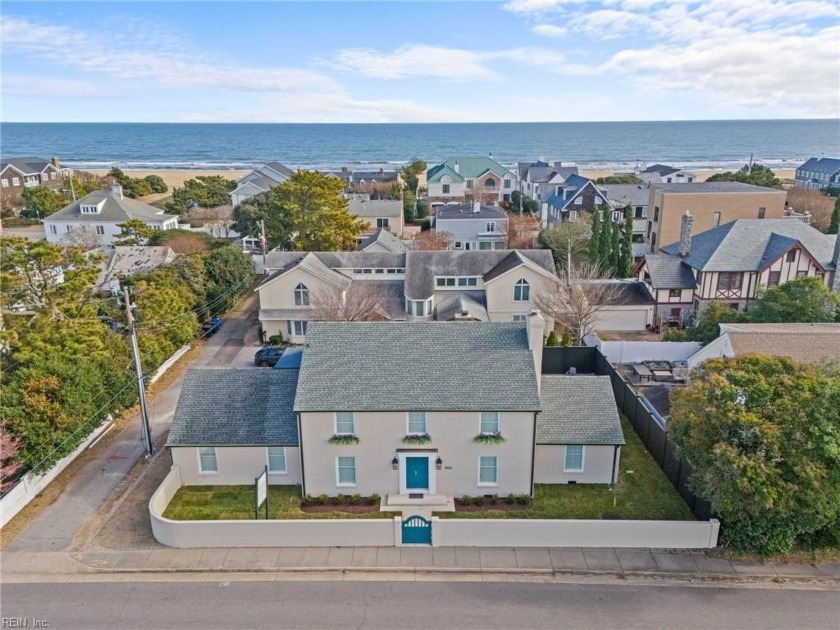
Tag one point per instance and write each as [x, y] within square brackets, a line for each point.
[637, 351]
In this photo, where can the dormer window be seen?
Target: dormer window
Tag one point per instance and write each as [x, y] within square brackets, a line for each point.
[89, 208]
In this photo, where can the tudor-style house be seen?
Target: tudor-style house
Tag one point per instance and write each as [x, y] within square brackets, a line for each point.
[480, 285]
[97, 216]
[473, 226]
[733, 261]
[819, 173]
[259, 181]
[18, 174]
[415, 413]
[467, 179]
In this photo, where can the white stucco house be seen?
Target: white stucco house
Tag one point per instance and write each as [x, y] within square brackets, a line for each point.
[352, 419]
[473, 226]
[97, 215]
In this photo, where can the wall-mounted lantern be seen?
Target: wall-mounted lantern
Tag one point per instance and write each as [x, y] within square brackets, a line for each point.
[395, 463]
[439, 463]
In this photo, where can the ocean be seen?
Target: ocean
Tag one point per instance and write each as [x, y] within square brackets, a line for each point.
[591, 145]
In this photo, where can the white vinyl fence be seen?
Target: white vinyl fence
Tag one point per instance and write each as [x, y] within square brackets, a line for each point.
[637, 351]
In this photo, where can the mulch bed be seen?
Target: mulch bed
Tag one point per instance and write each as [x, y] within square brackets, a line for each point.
[350, 509]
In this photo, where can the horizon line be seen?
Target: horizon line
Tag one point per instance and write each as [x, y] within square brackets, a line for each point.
[498, 122]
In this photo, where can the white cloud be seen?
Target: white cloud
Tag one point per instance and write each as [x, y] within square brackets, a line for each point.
[550, 30]
[414, 61]
[29, 85]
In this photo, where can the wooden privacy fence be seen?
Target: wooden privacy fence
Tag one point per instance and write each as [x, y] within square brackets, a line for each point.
[558, 360]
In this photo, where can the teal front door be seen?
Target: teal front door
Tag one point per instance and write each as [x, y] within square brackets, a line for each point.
[417, 473]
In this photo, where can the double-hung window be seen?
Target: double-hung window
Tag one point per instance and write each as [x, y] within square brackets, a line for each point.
[345, 424]
[207, 462]
[100, 229]
[574, 458]
[521, 291]
[489, 424]
[445, 189]
[297, 328]
[490, 226]
[382, 222]
[416, 422]
[488, 470]
[730, 281]
[345, 471]
[301, 295]
[276, 458]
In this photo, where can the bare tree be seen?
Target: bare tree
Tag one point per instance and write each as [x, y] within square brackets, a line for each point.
[84, 237]
[219, 220]
[362, 301]
[522, 231]
[575, 302]
[433, 240]
[816, 202]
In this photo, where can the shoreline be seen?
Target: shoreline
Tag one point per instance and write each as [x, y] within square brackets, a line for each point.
[175, 178]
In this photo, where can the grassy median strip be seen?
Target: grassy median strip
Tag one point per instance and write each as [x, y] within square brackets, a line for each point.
[644, 494]
[209, 503]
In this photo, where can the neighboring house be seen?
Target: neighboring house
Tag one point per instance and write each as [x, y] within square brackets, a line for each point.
[465, 179]
[371, 183]
[378, 213]
[637, 196]
[259, 181]
[18, 174]
[662, 174]
[819, 173]
[125, 260]
[360, 424]
[733, 261]
[671, 284]
[577, 195]
[495, 285]
[97, 215]
[632, 308]
[473, 226]
[539, 180]
[816, 344]
[381, 241]
[711, 204]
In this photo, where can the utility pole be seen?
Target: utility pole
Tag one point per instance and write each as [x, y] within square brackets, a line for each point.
[263, 243]
[145, 429]
[569, 263]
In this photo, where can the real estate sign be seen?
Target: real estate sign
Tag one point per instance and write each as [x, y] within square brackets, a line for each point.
[261, 493]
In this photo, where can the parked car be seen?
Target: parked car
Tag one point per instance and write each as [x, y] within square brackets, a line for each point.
[211, 326]
[268, 356]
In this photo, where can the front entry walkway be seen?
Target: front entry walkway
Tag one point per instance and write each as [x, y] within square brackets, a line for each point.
[423, 506]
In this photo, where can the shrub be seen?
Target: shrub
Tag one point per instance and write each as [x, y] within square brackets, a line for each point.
[340, 499]
[523, 499]
[676, 334]
[323, 499]
[356, 499]
[466, 499]
[156, 183]
[373, 499]
[552, 339]
[510, 499]
[494, 500]
[275, 340]
[478, 500]
[567, 339]
[307, 500]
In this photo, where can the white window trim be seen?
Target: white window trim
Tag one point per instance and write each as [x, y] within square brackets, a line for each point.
[522, 288]
[582, 459]
[335, 423]
[340, 484]
[408, 430]
[285, 470]
[201, 470]
[498, 423]
[486, 484]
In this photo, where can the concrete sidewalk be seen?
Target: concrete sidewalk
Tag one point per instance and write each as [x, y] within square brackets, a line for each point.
[646, 562]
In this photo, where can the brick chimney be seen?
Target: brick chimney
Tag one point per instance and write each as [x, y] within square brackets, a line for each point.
[685, 234]
[54, 161]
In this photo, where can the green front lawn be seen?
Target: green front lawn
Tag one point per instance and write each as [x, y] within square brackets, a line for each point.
[209, 503]
[646, 494]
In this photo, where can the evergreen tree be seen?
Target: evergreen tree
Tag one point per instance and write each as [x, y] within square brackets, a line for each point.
[625, 267]
[834, 225]
[595, 239]
[615, 249]
[552, 339]
[606, 245]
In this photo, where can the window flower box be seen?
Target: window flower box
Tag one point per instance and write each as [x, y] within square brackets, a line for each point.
[417, 438]
[344, 439]
[489, 438]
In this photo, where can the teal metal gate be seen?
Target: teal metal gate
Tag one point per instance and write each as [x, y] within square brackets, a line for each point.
[417, 530]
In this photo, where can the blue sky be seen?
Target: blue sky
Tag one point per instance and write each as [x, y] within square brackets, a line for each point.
[520, 60]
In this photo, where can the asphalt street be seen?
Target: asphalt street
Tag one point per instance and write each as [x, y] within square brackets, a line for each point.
[414, 605]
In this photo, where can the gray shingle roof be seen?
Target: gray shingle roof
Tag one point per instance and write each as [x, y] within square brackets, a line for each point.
[669, 272]
[115, 209]
[423, 266]
[752, 244]
[384, 238]
[460, 305]
[28, 165]
[629, 293]
[578, 410]
[235, 407]
[821, 165]
[387, 366]
[369, 208]
[622, 195]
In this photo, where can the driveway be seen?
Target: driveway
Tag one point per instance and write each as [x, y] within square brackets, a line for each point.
[78, 508]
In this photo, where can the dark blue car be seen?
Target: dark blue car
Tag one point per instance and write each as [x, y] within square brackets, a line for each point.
[211, 326]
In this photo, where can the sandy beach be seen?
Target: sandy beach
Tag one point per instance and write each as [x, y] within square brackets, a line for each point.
[176, 178]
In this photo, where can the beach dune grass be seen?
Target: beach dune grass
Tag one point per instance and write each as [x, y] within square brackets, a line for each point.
[208, 503]
[645, 494]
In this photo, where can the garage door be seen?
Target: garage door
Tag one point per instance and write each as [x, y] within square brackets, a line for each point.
[630, 319]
